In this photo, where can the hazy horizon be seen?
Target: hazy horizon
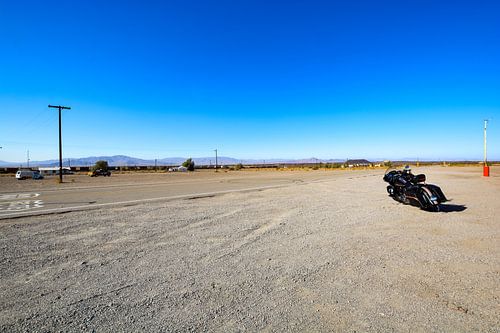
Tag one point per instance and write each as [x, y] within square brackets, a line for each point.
[75, 161]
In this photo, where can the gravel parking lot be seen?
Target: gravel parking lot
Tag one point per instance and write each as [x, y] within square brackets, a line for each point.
[330, 255]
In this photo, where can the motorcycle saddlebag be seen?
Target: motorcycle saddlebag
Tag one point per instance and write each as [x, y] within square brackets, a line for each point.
[436, 190]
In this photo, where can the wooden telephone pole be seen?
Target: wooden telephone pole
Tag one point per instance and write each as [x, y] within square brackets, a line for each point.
[60, 138]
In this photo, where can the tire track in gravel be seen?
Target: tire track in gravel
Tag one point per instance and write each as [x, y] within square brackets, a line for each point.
[255, 234]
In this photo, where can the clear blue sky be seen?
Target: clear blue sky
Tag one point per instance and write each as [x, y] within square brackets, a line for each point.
[255, 79]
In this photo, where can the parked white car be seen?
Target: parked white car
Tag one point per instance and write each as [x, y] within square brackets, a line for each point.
[24, 174]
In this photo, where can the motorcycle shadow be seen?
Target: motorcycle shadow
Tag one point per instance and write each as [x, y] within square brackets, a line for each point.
[449, 208]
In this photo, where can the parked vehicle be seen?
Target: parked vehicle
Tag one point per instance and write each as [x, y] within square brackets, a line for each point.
[28, 174]
[24, 174]
[412, 189]
[99, 172]
[37, 175]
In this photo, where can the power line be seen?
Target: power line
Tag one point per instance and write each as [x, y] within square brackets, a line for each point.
[29, 125]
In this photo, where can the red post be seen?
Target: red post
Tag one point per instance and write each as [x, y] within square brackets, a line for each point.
[486, 171]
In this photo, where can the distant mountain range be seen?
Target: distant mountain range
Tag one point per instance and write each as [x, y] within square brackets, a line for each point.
[122, 160]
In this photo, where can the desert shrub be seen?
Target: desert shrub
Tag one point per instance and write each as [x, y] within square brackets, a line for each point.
[189, 164]
[101, 165]
[238, 166]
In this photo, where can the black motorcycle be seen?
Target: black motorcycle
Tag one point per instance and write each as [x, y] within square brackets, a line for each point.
[412, 190]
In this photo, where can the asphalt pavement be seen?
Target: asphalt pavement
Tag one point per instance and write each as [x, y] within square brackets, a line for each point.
[116, 190]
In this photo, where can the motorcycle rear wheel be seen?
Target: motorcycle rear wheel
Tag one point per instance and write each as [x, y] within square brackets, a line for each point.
[429, 206]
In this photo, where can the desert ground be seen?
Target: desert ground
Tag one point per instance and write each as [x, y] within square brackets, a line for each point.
[250, 251]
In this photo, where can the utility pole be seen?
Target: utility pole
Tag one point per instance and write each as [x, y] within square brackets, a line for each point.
[485, 126]
[28, 158]
[486, 168]
[215, 160]
[60, 138]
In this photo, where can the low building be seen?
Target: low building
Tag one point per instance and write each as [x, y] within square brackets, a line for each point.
[358, 163]
[179, 168]
[47, 171]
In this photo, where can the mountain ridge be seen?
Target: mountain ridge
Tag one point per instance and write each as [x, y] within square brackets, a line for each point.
[124, 160]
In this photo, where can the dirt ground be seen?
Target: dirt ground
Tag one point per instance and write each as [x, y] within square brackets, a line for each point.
[330, 255]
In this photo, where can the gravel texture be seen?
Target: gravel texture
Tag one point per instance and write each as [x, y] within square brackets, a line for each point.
[337, 255]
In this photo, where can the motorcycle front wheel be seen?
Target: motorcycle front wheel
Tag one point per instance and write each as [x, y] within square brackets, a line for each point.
[390, 190]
